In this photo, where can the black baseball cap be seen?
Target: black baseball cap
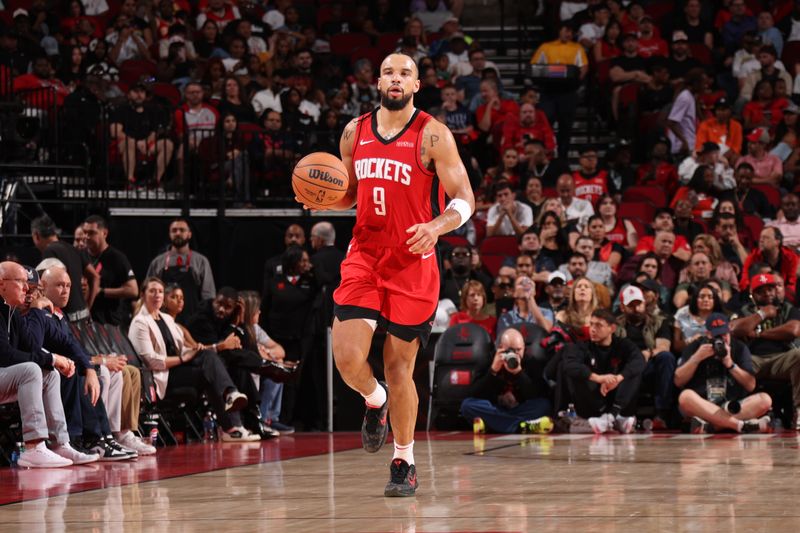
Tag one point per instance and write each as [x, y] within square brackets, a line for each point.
[33, 276]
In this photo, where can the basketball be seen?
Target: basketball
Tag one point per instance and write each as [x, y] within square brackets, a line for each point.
[320, 180]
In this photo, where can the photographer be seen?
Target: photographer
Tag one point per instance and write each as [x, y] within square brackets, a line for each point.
[770, 326]
[504, 397]
[604, 376]
[716, 373]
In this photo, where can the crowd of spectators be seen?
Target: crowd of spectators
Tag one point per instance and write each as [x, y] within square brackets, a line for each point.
[685, 226]
[183, 332]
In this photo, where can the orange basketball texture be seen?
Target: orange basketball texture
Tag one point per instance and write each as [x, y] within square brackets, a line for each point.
[320, 180]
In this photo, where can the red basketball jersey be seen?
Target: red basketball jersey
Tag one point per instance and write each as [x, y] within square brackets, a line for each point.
[591, 188]
[395, 191]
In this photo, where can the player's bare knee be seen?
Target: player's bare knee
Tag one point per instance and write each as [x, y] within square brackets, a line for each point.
[398, 372]
[348, 358]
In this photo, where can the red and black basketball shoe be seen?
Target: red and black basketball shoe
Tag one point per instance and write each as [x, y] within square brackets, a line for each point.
[375, 428]
[402, 481]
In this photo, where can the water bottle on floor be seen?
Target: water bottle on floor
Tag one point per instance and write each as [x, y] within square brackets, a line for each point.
[150, 433]
[209, 427]
[19, 448]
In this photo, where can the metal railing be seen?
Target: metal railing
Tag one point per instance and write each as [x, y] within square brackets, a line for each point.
[198, 167]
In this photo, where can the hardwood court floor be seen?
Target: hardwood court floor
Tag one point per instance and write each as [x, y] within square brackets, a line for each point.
[322, 483]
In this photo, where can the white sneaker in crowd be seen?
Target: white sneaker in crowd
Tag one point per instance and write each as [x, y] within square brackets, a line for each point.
[239, 434]
[235, 401]
[39, 456]
[78, 458]
[107, 452]
[625, 424]
[129, 440]
[599, 424]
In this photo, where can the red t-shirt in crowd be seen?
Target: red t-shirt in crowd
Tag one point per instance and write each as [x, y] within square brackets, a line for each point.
[757, 112]
[665, 176]
[654, 46]
[514, 133]
[645, 244]
[509, 110]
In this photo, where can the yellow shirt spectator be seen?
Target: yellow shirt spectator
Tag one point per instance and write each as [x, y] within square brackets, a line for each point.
[562, 51]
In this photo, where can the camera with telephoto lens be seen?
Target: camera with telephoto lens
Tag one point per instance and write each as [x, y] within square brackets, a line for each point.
[720, 349]
[510, 358]
[719, 346]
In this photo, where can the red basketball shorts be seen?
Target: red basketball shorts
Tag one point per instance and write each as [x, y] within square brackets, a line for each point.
[397, 289]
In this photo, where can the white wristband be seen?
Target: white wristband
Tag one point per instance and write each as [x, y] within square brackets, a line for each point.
[462, 208]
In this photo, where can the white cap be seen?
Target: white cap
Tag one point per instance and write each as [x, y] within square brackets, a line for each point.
[556, 275]
[20, 12]
[631, 294]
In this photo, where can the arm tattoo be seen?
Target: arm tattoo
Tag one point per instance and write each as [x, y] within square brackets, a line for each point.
[434, 138]
[347, 134]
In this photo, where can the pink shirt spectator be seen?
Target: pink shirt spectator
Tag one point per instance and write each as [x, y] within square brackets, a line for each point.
[767, 166]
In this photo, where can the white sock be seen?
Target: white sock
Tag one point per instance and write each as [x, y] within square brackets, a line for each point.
[121, 434]
[739, 425]
[41, 446]
[404, 452]
[377, 397]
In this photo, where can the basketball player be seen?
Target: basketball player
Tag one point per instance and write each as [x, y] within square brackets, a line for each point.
[401, 162]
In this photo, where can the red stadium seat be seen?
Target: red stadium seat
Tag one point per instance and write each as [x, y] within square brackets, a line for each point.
[132, 70]
[628, 94]
[167, 91]
[642, 211]
[753, 225]
[480, 229]
[649, 122]
[249, 131]
[658, 10]
[495, 250]
[791, 55]
[323, 16]
[601, 71]
[454, 240]
[655, 195]
[374, 55]
[639, 226]
[772, 193]
[503, 244]
[701, 53]
[388, 42]
[343, 44]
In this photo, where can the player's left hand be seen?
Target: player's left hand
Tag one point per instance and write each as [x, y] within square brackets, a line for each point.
[307, 208]
[423, 239]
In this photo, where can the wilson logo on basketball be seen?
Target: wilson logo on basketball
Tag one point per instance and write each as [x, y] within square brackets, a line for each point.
[322, 175]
